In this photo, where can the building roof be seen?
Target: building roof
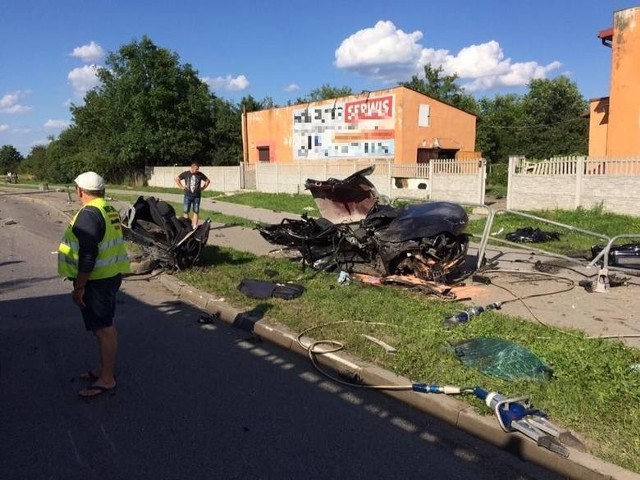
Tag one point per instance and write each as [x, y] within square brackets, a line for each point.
[606, 36]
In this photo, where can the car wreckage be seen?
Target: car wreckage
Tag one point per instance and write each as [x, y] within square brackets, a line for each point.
[168, 242]
[416, 244]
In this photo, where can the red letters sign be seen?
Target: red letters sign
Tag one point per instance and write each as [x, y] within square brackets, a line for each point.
[375, 108]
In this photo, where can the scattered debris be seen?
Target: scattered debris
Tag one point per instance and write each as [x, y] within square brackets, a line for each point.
[531, 235]
[501, 358]
[265, 289]
[613, 281]
[465, 315]
[207, 318]
[377, 341]
[627, 255]
[344, 278]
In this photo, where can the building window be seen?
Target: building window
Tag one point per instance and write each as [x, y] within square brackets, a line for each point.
[263, 154]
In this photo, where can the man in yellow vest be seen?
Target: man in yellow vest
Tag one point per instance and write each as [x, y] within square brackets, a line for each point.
[93, 254]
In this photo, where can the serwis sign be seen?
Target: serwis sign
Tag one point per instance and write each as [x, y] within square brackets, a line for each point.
[376, 108]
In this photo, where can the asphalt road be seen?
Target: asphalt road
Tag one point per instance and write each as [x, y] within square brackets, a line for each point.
[193, 401]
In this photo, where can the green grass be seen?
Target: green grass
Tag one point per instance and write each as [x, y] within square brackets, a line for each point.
[278, 202]
[595, 390]
[175, 190]
[571, 243]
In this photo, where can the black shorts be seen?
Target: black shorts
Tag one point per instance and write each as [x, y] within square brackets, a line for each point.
[100, 301]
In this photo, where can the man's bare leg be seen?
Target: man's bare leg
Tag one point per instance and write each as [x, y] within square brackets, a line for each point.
[108, 346]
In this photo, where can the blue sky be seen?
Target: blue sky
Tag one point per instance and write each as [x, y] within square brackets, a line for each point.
[284, 49]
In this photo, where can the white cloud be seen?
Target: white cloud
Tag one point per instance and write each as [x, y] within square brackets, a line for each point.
[4, 127]
[388, 54]
[10, 103]
[292, 87]
[88, 53]
[83, 79]
[42, 141]
[55, 124]
[227, 83]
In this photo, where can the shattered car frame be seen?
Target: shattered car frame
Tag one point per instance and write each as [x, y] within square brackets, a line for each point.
[358, 233]
[167, 241]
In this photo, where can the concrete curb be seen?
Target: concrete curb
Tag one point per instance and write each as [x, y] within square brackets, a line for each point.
[455, 412]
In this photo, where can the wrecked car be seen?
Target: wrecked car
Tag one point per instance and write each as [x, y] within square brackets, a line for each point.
[357, 232]
[167, 241]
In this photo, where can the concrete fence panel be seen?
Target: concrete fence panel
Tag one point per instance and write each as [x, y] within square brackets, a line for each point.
[454, 180]
[571, 182]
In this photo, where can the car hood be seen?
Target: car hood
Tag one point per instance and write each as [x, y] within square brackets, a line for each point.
[344, 201]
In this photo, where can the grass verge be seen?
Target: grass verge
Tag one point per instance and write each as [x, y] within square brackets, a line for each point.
[278, 202]
[571, 242]
[595, 390]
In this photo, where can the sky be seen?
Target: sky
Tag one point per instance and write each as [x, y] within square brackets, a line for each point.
[284, 49]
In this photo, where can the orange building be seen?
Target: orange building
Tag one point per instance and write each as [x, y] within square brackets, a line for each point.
[398, 123]
[614, 121]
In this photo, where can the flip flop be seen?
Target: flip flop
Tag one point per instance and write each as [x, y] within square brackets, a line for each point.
[89, 375]
[97, 388]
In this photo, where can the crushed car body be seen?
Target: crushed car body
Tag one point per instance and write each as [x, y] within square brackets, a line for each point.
[356, 232]
[167, 241]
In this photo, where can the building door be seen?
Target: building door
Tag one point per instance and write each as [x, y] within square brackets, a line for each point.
[425, 155]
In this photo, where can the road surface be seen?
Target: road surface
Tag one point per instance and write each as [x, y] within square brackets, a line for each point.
[193, 401]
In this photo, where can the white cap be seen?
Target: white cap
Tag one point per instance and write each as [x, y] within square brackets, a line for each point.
[90, 181]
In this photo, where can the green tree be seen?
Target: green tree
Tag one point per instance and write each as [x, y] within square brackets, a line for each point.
[250, 104]
[10, 159]
[500, 127]
[553, 119]
[442, 87]
[149, 110]
[226, 135]
[325, 92]
[35, 163]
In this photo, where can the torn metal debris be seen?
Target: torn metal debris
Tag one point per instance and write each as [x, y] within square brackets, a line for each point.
[167, 241]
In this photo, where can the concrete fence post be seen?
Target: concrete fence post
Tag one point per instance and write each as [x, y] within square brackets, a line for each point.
[389, 176]
[510, 180]
[578, 182]
[431, 179]
[482, 177]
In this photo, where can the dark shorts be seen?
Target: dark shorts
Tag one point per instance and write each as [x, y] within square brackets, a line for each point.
[100, 301]
[190, 202]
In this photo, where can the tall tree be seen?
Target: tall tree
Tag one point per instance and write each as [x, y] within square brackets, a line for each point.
[325, 92]
[442, 87]
[35, 163]
[149, 110]
[10, 159]
[500, 127]
[553, 114]
[226, 136]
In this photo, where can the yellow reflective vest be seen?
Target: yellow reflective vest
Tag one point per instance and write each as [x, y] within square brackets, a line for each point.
[112, 254]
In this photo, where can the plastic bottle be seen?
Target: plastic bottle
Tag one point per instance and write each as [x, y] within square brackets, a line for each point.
[462, 317]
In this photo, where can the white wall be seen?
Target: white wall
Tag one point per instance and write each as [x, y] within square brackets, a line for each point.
[616, 187]
[466, 185]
